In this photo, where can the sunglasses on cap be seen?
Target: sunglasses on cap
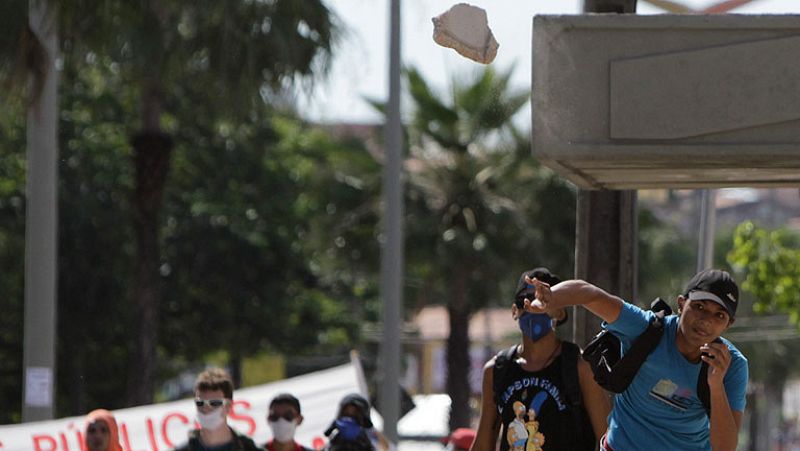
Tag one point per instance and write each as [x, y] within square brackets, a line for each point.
[213, 403]
[288, 416]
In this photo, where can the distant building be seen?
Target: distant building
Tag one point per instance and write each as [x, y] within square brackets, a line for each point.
[490, 330]
[769, 208]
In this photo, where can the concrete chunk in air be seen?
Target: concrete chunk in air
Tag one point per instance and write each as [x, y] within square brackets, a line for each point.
[465, 29]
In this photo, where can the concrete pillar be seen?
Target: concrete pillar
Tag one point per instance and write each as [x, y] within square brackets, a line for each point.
[606, 229]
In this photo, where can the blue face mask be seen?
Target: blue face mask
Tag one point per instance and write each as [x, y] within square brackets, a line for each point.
[348, 428]
[535, 325]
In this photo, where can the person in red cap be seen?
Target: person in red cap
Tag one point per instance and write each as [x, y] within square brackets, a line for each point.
[663, 407]
[101, 431]
[460, 440]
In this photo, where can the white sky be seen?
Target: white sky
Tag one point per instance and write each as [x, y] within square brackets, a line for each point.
[361, 59]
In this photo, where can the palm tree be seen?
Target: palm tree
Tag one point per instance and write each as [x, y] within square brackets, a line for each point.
[472, 188]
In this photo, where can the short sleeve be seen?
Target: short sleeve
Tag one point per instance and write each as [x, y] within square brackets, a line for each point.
[736, 380]
[631, 322]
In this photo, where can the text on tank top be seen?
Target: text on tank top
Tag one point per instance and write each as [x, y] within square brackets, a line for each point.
[535, 411]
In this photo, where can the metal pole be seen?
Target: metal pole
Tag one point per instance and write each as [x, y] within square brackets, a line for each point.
[392, 251]
[708, 220]
[41, 219]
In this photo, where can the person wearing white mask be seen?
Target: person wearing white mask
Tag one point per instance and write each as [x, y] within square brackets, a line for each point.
[213, 397]
[283, 418]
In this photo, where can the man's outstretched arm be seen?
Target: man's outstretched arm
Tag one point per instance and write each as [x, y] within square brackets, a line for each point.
[574, 292]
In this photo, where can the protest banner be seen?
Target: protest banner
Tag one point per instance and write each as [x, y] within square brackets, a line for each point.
[159, 427]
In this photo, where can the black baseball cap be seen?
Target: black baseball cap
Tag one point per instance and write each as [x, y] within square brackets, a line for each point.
[362, 406]
[523, 290]
[286, 398]
[540, 273]
[714, 285]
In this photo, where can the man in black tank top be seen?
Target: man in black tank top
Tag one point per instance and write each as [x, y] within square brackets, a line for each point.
[539, 395]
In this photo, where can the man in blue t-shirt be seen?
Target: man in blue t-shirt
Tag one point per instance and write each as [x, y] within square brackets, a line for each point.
[660, 409]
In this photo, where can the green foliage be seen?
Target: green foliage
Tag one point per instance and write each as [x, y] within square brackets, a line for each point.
[95, 181]
[12, 246]
[231, 48]
[770, 261]
[268, 230]
[248, 237]
[666, 259]
[476, 198]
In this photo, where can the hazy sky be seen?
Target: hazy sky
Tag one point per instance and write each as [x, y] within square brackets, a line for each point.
[360, 61]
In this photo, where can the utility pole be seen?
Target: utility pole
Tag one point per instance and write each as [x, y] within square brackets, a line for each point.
[708, 221]
[41, 222]
[392, 249]
[606, 228]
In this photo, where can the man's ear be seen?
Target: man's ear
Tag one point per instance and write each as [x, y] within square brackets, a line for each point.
[681, 302]
[515, 311]
[299, 420]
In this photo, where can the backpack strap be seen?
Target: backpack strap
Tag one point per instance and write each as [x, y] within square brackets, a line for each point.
[572, 387]
[502, 361]
[703, 391]
[630, 362]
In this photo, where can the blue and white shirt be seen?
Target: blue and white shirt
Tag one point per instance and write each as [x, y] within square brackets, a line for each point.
[660, 409]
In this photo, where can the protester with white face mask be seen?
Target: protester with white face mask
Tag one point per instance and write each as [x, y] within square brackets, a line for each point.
[213, 397]
[283, 418]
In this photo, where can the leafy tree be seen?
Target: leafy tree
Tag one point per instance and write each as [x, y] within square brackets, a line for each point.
[12, 246]
[770, 264]
[269, 238]
[240, 50]
[251, 238]
[95, 254]
[770, 261]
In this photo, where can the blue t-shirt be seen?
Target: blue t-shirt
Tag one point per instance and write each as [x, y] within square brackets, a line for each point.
[660, 408]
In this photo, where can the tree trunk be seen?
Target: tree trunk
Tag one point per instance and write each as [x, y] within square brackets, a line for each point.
[458, 359]
[151, 158]
[235, 362]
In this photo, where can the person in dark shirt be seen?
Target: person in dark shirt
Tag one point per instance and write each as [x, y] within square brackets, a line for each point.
[545, 394]
[352, 430]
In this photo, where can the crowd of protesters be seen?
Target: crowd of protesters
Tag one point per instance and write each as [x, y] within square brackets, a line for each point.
[686, 391]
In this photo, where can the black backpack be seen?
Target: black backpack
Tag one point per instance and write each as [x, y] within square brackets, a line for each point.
[569, 374]
[615, 372]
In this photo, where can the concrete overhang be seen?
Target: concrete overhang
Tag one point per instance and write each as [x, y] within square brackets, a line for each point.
[668, 101]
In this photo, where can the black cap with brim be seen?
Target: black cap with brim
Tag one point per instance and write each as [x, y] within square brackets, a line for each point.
[714, 285]
[360, 403]
[540, 273]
